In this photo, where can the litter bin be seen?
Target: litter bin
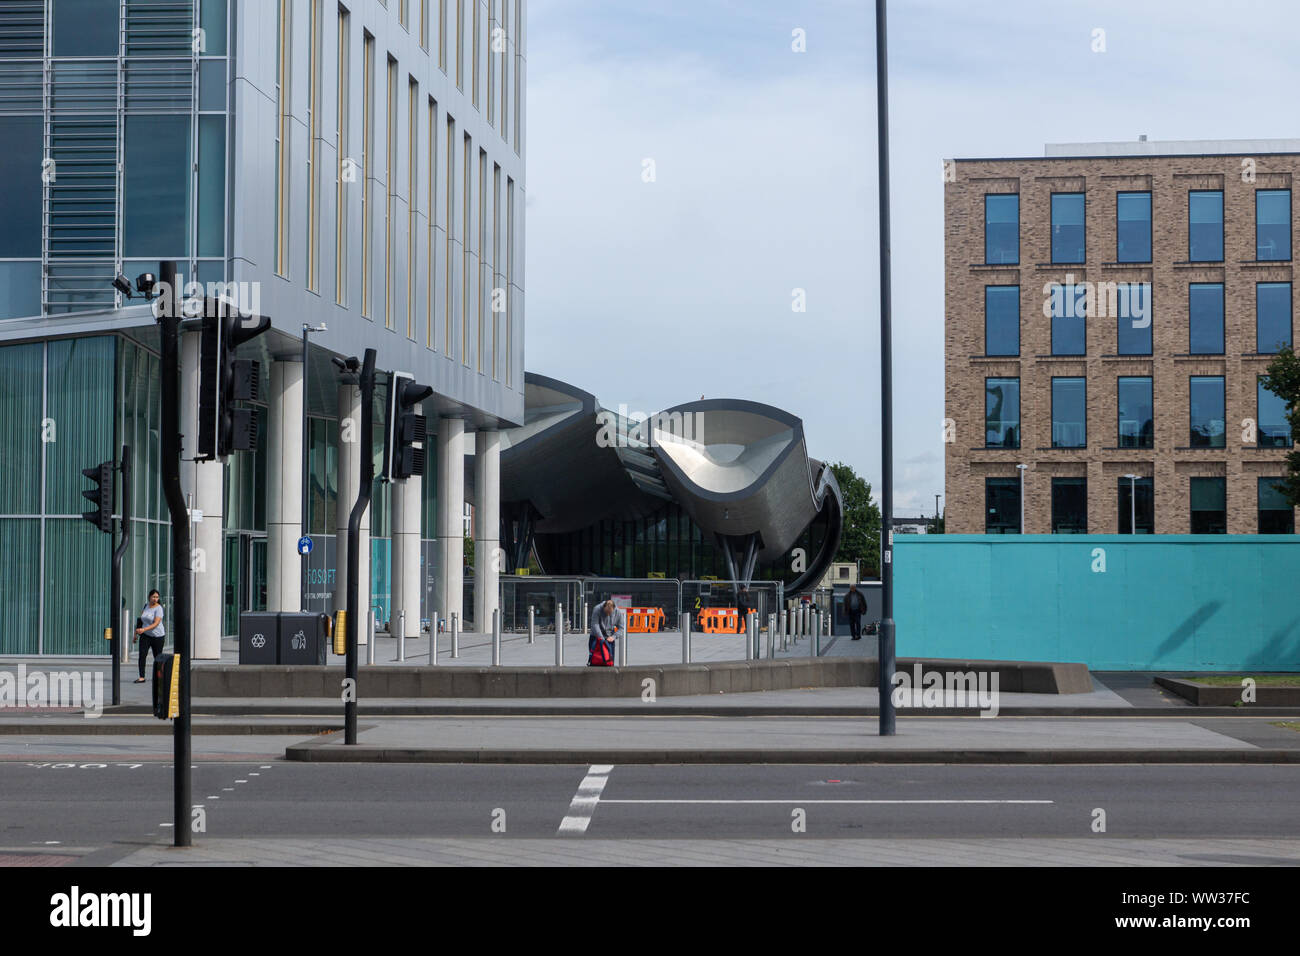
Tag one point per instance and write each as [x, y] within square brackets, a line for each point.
[258, 638]
[301, 639]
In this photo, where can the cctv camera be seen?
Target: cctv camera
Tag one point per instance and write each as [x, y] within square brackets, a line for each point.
[144, 283]
[122, 284]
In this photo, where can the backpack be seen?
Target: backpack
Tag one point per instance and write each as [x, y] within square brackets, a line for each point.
[601, 656]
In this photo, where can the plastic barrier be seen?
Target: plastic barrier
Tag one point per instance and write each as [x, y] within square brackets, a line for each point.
[720, 620]
[644, 620]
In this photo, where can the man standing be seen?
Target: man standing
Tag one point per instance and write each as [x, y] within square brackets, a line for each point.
[855, 605]
[602, 634]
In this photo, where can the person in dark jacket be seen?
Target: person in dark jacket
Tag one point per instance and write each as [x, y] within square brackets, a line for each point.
[855, 605]
[602, 634]
[743, 607]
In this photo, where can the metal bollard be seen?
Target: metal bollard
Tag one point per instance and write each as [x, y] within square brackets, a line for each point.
[686, 638]
[455, 634]
[401, 635]
[783, 620]
[532, 625]
[496, 637]
[749, 637]
[771, 636]
[813, 642]
[370, 634]
[433, 638]
[559, 635]
[586, 623]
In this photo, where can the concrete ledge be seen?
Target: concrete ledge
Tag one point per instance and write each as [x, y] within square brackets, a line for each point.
[324, 751]
[1207, 695]
[670, 680]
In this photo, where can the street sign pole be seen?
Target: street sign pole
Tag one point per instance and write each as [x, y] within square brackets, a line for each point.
[364, 490]
[115, 590]
[885, 639]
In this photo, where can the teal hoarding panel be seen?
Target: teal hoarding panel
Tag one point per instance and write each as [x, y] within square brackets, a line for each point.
[1113, 602]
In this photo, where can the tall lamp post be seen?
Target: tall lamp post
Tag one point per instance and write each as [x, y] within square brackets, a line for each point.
[885, 639]
[1022, 469]
[306, 454]
[1132, 504]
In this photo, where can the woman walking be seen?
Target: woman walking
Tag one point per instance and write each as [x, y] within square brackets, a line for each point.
[152, 631]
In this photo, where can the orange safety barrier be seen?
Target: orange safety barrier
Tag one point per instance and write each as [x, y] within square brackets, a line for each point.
[644, 620]
[720, 620]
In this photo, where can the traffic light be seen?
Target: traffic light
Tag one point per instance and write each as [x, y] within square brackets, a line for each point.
[101, 495]
[407, 430]
[166, 687]
[225, 380]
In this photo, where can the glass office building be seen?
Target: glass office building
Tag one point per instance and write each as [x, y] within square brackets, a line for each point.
[321, 163]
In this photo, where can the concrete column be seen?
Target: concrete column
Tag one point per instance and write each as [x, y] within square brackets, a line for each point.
[451, 510]
[204, 482]
[487, 524]
[284, 488]
[405, 577]
[349, 485]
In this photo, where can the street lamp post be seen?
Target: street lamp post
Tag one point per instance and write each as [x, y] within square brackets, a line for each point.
[885, 639]
[306, 455]
[1132, 503]
[1022, 469]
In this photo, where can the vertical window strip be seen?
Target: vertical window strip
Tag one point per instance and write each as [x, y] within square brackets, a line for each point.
[519, 54]
[367, 153]
[390, 188]
[478, 42]
[496, 261]
[282, 97]
[510, 276]
[466, 289]
[424, 24]
[450, 173]
[412, 197]
[482, 250]
[341, 157]
[313, 145]
[460, 45]
[505, 68]
[442, 36]
[430, 270]
[491, 64]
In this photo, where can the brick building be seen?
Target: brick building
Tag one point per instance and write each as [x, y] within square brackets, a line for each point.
[1109, 309]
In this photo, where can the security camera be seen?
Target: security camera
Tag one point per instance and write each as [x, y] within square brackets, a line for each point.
[122, 284]
[144, 283]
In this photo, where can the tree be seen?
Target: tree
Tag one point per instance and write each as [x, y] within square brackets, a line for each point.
[860, 535]
[1283, 380]
[469, 552]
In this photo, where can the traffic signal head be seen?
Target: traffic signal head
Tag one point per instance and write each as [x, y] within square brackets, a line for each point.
[166, 686]
[223, 425]
[101, 496]
[406, 432]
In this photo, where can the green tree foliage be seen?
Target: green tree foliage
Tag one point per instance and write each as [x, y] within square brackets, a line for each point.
[1283, 380]
[860, 537]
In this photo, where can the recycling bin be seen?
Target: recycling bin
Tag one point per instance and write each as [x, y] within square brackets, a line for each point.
[301, 638]
[259, 638]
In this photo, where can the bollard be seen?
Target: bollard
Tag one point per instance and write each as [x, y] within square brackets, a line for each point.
[749, 638]
[433, 638]
[496, 637]
[401, 635]
[559, 635]
[455, 635]
[622, 641]
[586, 623]
[771, 636]
[783, 619]
[532, 625]
[756, 632]
[686, 638]
[812, 636]
[370, 634]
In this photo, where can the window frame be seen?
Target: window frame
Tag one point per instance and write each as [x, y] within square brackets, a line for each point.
[1222, 228]
[1069, 378]
[1016, 296]
[987, 197]
[1083, 199]
[1119, 410]
[1150, 226]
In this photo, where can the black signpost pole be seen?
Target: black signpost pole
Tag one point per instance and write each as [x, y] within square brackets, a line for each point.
[115, 590]
[354, 544]
[885, 639]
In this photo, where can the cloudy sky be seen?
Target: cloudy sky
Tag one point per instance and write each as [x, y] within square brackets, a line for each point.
[764, 163]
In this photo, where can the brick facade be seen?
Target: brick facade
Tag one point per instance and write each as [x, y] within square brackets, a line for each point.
[1171, 461]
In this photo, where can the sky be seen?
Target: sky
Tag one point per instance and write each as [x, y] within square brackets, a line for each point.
[689, 170]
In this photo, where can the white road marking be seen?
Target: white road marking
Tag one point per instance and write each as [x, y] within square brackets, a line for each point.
[585, 800]
[241, 781]
[801, 802]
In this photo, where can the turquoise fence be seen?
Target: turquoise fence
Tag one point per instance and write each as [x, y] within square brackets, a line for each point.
[1114, 602]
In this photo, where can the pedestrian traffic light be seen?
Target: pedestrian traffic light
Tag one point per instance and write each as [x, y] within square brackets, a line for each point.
[404, 437]
[101, 495]
[224, 380]
[166, 687]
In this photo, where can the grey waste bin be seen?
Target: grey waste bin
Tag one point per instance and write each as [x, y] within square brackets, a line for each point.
[301, 639]
[259, 638]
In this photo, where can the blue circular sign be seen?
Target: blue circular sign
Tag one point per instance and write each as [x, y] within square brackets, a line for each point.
[304, 545]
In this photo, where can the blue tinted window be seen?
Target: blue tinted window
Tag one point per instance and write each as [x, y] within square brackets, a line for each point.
[1002, 412]
[1136, 425]
[156, 178]
[1002, 228]
[1069, 413]
[1205, 318]
[1002, 320]
[1069, 327]
[20, 289]
[86, 27]
[1273, 430]
[1276, 516]
[1133, 308]
[20, 186]
[1133, 227]
[1272, 316]
[1209, 505]
[1067, 227]
[1272, 224]
[1205, 225]
[1207, 414]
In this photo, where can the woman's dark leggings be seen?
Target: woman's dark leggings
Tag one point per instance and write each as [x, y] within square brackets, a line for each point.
[148, 644]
